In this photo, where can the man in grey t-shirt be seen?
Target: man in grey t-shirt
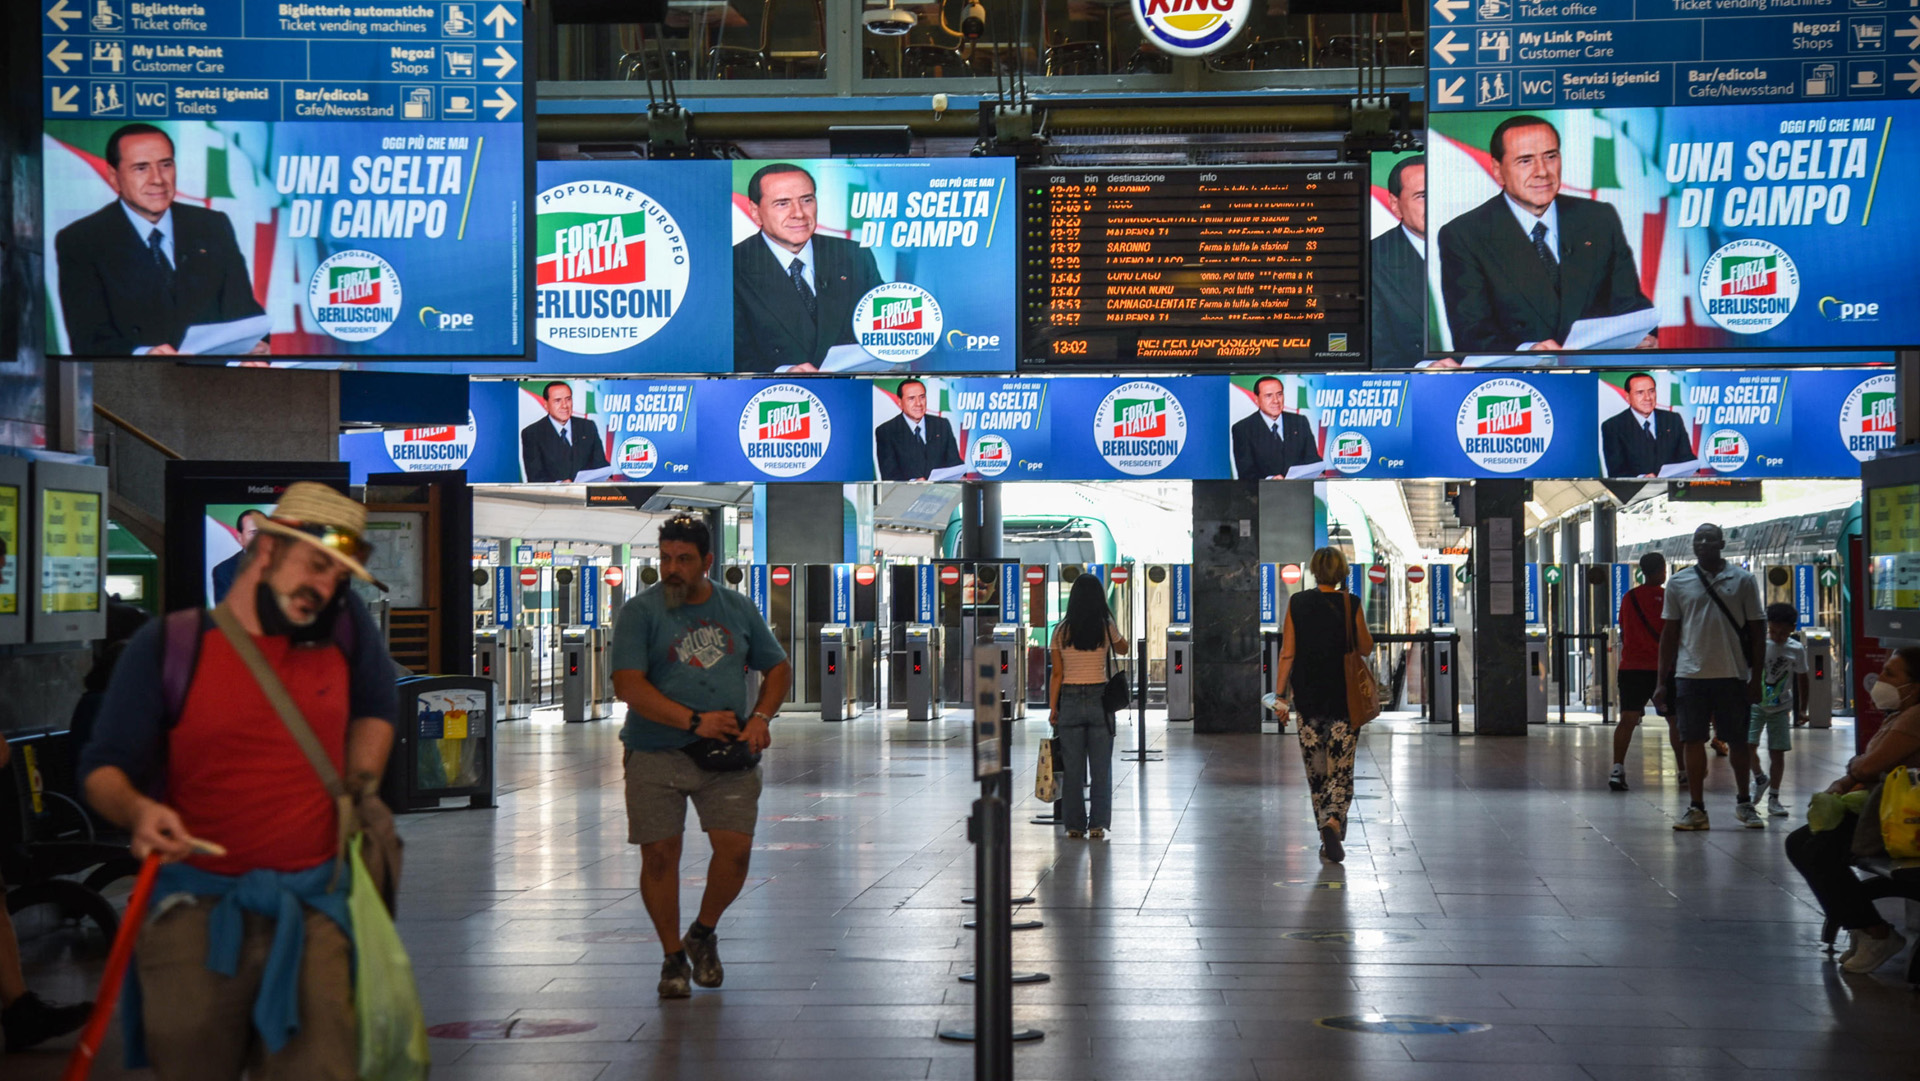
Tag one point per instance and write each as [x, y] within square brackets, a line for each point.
[1712, 644]
[680, 656]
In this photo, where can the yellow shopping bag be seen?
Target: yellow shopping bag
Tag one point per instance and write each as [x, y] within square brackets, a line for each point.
[1900, 813]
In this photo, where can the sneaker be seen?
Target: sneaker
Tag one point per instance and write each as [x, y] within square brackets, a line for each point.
[1870, 953]
[1694, 819]
[33, 1020]
[1744, 814]
[1330, 846]
[704, 954]
[1618, 779]
[1097, 834]
[1853, 946]
[1074, 835]
[1720, 747]
[1760, 784]
[1775, 809]
[674, 972]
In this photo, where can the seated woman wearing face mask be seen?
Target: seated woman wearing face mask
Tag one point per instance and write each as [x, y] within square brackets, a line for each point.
[1825, 859]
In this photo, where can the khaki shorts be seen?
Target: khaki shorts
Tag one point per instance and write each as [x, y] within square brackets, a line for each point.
[659, 784]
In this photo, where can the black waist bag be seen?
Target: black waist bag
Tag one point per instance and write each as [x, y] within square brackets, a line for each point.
[721, 755]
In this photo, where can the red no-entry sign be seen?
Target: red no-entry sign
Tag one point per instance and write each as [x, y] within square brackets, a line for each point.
[780, 575]
[529, 576]
[1290, 574]
[949, 576]
[1121, 574]
[1416, 574]
[614, 576]
[1036, 575]
[1377, 573]
[864, 574]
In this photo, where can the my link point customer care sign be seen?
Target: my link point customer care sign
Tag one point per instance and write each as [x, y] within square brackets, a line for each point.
[770, 267]
[255, 177]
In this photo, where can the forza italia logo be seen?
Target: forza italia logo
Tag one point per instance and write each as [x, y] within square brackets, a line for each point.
[1749, 286]
[897, 322]
[1726, 450]
[638, 457]
[785, 430]
[611, 267]
[354, 296]
[1867, 417]
[1351, 452]
[990, 456]
[1140, 428]
[1190, 27]
[1504, 425]
[423, 450]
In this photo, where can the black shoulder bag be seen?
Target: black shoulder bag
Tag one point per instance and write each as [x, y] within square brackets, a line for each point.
[1118, 693]
[1739, 628]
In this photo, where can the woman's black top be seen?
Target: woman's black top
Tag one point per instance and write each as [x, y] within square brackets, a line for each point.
[1319, 674]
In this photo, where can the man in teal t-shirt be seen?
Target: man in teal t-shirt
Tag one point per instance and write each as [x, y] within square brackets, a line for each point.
[680, 656]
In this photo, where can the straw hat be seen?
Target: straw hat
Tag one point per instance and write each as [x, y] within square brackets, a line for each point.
[324, 518]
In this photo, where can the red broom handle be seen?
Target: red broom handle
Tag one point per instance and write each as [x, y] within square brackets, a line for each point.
[80, 1063]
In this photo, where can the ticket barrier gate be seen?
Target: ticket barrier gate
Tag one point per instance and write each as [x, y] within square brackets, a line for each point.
[1443, 707]
[603, 669]
[580, 660]
[1821, 678]
[920, 680]
[1180, 672]
[839, 674]
[490, 664]
[1270, 644]
[517, 688]
[1010, 655]
[1538, 675]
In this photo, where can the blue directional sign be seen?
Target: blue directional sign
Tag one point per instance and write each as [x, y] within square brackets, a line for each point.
[1269, 593]
[1182, 593]
[1619, 580]
[923, 593]
[1009, 592]
[351, 177]
[762, 597]
[1532, 598]
[1573, 54]
[590, 596]
[1803, 601]
[1440, 590]
[842, 607]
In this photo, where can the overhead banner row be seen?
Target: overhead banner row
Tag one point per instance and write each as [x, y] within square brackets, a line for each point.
[1717, 423]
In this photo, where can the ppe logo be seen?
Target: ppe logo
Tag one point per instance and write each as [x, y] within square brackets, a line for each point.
[1845, 311]
[423, 450]
[1190, 27]
[1726, 450]
[785, 430]
[638, 457]
[611, 267]
[1749, 286]
[897, 322]
[1504, 425]
[1351, 452]
[1140, 428]
[354, 296]
[990, 456]
[434, 319]
[1867, 417]
[972, 343]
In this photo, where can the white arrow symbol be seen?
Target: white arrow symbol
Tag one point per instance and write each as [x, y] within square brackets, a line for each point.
[502, 62]
[1450, 49]
[61, 15]
[63, 99]
[499, 18]
[1450, 95]
[1913, 35]
[501, 101]
[61, 54]
[1446, 8]
[1911, 76]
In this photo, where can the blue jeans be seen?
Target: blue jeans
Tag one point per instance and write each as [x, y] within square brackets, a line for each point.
[1081, 740]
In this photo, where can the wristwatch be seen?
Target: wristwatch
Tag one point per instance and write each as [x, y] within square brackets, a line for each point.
[762, 714]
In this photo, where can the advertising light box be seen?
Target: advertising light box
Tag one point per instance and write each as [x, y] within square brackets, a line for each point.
[960, 428]
[1740, 228]
[1298, 426]
[247, 179]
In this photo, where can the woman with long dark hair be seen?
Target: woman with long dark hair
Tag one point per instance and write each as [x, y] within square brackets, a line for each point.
[1323, 625]
[1082, 728]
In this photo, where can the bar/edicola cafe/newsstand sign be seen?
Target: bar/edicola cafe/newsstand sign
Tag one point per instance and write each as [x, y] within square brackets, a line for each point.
[1190, 27]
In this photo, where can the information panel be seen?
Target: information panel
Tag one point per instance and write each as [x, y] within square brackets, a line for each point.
[257, 178]
[70, 551]
[1195, 268]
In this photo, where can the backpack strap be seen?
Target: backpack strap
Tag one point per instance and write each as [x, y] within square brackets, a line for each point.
[180, 655]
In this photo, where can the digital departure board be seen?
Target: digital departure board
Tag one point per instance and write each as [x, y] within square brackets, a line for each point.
[1206, 267]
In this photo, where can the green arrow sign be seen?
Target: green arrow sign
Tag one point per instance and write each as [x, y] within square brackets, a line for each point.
[1829, 577]
[1463, 574]
[1639, 577]
[1551, 572]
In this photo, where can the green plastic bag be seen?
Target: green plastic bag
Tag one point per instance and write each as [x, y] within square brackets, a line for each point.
[386, 1004]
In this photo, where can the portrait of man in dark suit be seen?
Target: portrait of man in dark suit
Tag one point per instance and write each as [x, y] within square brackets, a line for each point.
[1272, 440]
[1399, 258]
[793, 291]
[1518, 270]
[914, 444]
[224, 570]
[559, 445]
[140, 271]
[1640, 439]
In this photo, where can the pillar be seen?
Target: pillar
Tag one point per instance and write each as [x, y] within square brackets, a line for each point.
[1499, 631]
[1606, 533]
[1286, 532]
[1226, 605]
[992, 523]
[799, 523]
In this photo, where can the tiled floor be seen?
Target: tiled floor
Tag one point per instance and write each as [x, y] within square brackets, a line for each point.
[1493, 881]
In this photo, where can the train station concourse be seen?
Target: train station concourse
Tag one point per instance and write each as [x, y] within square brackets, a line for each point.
[1097, 540]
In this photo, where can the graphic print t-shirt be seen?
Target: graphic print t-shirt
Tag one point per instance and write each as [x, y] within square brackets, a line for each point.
[696, 654]
[1784, 660]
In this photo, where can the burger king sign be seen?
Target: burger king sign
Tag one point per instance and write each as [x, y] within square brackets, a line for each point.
[1190, 27]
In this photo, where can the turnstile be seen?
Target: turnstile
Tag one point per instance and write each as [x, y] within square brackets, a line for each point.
[579, 679]
[839, 675]
[517, 687]
[1270, 644]
[1821, 678]
[1538, 675]
[921, 671]
[603, 670]
[1441, 704]
[1180, 672]
[1010, 653]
